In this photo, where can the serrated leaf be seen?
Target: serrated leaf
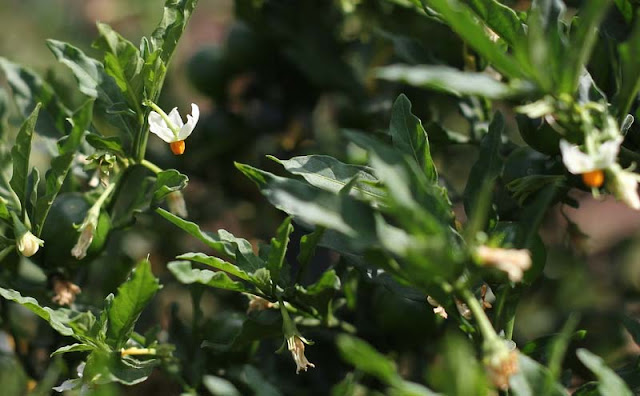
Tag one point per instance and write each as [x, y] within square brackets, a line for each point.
[183, 271]
[409, 136]
[331, 175]
[61, 164]
[168, 181]
[132, 298]
[610, 384]
[217, 263]
[72, 348]
[20, 154]
[28, 90]
[449, 80]
[56, 318]
[278, 249]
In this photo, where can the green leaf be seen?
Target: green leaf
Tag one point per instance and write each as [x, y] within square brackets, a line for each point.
[410, 137]
[185, 274]
[313, 206]
[168, 181]
[61, 164]
[110, 143]
[73, 348]
[122, 61]
[463, 22]
[633, 327]
[223, 242]
[217, 263]
[20, 154]
[94, 82]
[278, 250]
[630, 72]
[609, 382]
[451, 81]
[28, 90]
[102, 367]
[174, 20]
[308, 244]
[58, 319]
[366, 359]
[582, 42]
[132, 297]
[329, 174]
[487, 168]
[501, 19]
[533, 379]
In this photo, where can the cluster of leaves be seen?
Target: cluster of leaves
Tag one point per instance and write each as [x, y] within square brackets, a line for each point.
[390, 218]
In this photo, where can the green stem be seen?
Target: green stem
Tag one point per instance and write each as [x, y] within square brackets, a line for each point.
[151, 166]
[484, 324]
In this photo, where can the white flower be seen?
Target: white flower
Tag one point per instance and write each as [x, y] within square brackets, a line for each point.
[295, 344]
[171, 128]
[87, 230]
[28, 244]
[512, 261]
[65, 292]
[623, 184]
[176, 203]
[439, 309]
[578, 162]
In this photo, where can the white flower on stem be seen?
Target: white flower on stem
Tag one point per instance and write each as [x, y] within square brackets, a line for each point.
[171, 128]
[87, 229]
[295, 344]
[28, 244]
[512, 261]
[257, 303]
[590, 166]
[438, 309]
[623, 184]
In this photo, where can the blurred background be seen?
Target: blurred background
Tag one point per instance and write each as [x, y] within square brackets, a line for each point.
[283, 78]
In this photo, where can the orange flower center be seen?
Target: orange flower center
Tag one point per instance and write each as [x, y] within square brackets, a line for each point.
[178, 147]
[594, 178]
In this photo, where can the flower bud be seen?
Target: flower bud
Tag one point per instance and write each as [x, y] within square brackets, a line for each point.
[295, 344]
[176, 203]
[28, 244]
[512, 261]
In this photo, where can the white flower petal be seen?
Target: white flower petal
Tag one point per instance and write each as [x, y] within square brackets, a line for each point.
[192, 120]
[575, 160]
[624, 185]
[159, 127]
[174, 116]
[608, 152]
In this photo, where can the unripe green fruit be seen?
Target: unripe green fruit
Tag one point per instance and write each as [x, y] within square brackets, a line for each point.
[60, 235]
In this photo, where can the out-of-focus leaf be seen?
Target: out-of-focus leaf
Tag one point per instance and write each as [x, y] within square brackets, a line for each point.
[633, 327]
[20, 154]
[463, 22]
[278, 249]
[216, 263]
[487, 168]
[366, 359]
[501, 19]
[582, 40]
[450, 80]
[313, 206]
[28, 90]
[132, 297]
[219, 386]
[308, 244]
[94, 82]
[533, 379]
[102, 367]
[174, 20]
[409, 136]
[331, 175]
[609, 382]
[168, 181]
[183, 271]
[630, 72]
[61, 164]
[56, 318]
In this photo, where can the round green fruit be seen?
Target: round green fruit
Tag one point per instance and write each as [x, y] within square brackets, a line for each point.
[60, 234]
